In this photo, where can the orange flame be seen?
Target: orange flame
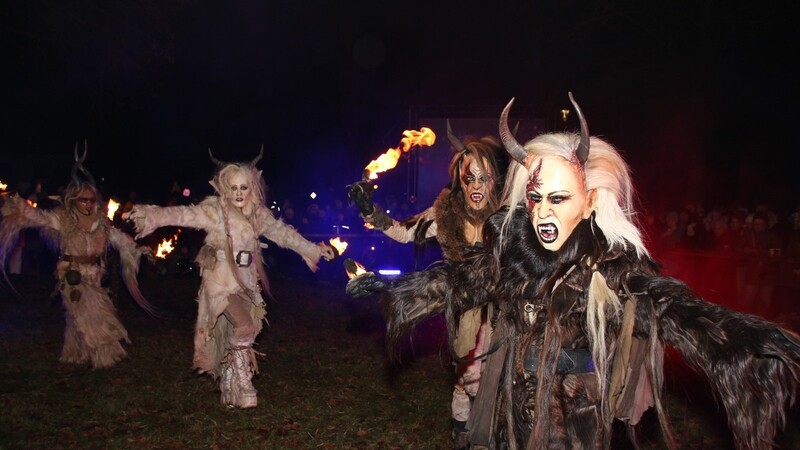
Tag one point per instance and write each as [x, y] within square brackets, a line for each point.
[112, 208]
[388, 160]
[32, 203]
[338, 244]
[3, 186]
[166, 246]
[359, 269]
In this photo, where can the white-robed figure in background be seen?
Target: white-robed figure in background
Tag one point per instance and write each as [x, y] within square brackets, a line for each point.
[230, 304]
[81, 231]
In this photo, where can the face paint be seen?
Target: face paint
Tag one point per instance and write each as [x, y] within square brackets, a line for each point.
[238, 190]
[557, 200]
[85, 202]
[476, 184]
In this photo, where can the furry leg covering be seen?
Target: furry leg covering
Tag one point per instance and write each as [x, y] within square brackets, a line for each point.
[93, 330]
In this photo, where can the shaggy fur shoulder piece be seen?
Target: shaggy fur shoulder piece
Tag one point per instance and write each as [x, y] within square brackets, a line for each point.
[450, 214]
[752, 365]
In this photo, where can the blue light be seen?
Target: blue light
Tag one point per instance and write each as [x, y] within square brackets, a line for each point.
[389, 272]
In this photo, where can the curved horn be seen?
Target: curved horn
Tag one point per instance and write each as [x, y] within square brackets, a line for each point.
[215, 160]
[78, 166]
[514, 149]
[74, 171]
[258, 158]
[453, 139]
[583, 148]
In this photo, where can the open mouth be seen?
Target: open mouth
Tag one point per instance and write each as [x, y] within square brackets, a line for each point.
[548, 232]
[476, 197]
[239, 199]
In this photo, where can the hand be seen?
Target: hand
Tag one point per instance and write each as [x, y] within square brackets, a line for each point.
[366, 284]
[12, 204]
[360, 193]
[328, 252]
[147, 252]
[136, 217]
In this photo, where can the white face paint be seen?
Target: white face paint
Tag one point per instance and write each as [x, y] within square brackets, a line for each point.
[476, 184]
[239, 190]
[557, 200]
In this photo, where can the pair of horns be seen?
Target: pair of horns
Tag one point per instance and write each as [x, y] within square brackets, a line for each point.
[518, 152]
[223, 163]
[78, 166]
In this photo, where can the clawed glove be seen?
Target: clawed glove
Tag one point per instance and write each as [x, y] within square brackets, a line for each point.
[366, 284]
[360, 193]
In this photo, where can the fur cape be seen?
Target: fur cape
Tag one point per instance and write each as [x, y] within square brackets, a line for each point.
[752, 365]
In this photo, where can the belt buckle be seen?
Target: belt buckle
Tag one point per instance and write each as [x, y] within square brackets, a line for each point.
[244, 258]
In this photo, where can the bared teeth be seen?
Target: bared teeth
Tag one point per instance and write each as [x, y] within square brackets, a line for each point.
[476, 197]
[547, 232]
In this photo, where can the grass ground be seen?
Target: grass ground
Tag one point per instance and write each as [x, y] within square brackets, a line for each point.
[324, 383]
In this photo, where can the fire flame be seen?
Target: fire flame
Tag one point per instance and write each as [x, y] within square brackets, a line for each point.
[3, 186]
[388, 160]
[338, 244]
[112, 208]
[359, 269]
[31, 202]
[166, 246]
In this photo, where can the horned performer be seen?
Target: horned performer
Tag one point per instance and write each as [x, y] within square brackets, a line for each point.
[83, 233]
[585, 315]
[230, 304]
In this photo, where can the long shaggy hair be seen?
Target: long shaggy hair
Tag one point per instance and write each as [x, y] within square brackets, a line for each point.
[221, 183]
[484, 152]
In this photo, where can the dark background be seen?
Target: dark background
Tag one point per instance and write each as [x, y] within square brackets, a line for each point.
[698, 95]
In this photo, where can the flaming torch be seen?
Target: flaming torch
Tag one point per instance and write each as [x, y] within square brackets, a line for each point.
[112, 208]
[339, 245]
[353, 268]
[362, 190]
[166, 246]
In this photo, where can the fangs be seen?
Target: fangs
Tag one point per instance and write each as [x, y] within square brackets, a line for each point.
[476, 197]
[548, 232]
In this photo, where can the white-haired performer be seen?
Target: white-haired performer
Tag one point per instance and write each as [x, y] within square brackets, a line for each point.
[230, 305]
[81, 231]
[585, 315]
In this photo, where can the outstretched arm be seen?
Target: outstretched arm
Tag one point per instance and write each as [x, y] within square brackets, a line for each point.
[18, 215]
[287, 237]
[148, 218]
[753, 365]
[409, 299]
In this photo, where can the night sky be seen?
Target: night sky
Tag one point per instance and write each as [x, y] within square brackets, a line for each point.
[698, 95]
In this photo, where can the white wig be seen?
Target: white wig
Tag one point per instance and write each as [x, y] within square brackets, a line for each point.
[605, 171]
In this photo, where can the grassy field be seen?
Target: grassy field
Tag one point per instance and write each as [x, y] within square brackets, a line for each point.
[324, 383]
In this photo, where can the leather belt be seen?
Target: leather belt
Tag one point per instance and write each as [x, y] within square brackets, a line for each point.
[570, 360]
[82, 259]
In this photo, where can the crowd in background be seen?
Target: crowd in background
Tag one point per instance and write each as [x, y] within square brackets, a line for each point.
[752, 250]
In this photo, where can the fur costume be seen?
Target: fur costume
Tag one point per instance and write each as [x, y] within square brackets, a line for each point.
[585, 315]
[218, 277]
[93, 330]
[519, 408]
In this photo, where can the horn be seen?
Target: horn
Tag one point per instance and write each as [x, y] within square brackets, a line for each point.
[79, 165]
[583, 148]
[514, 149]
[258, 158]
[215, 160]
[453, 139]
[74, 171]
